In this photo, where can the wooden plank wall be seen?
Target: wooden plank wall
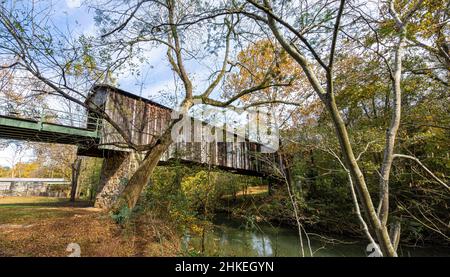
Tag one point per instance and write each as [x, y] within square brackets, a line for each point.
[144, 121]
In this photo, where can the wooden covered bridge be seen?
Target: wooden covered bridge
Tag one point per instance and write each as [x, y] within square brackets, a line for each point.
[142, 121]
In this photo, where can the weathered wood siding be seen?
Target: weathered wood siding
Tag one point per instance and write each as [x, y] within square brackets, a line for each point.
[143, 121]
[232, 152]
[140, 120]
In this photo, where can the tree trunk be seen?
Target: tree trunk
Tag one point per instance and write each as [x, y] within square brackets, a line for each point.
[141, 177]
[395, 234]
[75, 174]
[391, 132]
[327, 97]
[358, 178]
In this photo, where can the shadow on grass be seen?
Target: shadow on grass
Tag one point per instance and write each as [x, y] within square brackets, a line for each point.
[31, 209]
[59, 204]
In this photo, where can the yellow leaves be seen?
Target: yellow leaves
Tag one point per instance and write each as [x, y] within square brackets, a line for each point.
[197, 229]
[86, 64]
[198, 188]
[21, 170]
[262, 61]
[358, 79]
[89, 62]
[429, 19]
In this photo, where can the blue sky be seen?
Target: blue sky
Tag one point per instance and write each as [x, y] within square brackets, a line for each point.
[156, 76]
[156, 80]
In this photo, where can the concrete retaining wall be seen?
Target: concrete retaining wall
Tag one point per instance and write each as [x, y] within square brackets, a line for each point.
[51, 187]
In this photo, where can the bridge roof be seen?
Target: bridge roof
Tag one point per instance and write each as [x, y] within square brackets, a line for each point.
[128, 94]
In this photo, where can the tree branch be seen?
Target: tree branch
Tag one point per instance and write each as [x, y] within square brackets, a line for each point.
[223, 70]
[125, 23]
[335, 34]
[424, 167]
[268, 10]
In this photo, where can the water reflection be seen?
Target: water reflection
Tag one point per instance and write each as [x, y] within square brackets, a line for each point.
[261, 245]
[231, 238]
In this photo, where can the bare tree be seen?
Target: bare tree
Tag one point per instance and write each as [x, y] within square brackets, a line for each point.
[37, 46]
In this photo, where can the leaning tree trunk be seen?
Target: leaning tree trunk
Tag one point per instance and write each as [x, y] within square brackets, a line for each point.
[141, 177]
[75, 174]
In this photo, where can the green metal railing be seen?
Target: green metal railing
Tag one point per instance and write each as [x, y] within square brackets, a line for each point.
[47, 119]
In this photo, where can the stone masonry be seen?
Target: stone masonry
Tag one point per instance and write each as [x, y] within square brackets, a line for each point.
[116, 171]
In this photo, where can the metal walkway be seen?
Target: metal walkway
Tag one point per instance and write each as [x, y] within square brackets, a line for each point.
[26, 122]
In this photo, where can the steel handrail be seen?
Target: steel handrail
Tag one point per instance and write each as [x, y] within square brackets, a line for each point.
[48, 115]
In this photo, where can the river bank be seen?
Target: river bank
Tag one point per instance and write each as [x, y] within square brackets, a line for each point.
[332, 225]
[45, 226]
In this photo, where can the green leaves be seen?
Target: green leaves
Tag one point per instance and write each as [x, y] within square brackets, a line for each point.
[122, 215]
[19, 27]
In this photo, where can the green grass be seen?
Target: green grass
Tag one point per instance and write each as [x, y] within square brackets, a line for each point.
[255, 192]
[42, 226]
[19, 210]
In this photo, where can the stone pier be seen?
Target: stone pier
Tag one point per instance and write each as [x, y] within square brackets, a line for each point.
[117, 169]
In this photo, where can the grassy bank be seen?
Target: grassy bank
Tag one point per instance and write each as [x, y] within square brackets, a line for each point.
[42, 226]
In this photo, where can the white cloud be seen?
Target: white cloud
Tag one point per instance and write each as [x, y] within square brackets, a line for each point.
[72, 4]
[10, 156]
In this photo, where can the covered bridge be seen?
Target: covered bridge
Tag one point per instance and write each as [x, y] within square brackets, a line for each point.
[143, 120]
